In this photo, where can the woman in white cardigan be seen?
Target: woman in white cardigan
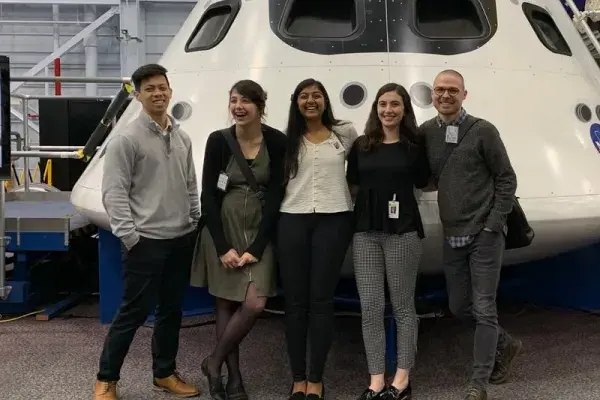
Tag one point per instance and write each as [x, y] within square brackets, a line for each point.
[314, 230]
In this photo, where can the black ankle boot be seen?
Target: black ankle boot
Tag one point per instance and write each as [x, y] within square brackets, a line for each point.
[215, 383]
[236, 390]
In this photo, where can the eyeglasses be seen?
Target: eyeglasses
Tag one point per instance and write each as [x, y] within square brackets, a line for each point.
[439, 91]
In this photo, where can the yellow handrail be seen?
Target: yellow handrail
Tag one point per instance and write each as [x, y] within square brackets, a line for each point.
[48, 173]
[46, 177]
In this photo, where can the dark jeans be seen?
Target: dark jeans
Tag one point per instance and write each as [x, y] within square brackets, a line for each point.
[311, 248]
[156, 273]
[472, 277]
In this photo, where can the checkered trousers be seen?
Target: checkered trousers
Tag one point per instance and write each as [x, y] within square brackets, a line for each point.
[378, 256]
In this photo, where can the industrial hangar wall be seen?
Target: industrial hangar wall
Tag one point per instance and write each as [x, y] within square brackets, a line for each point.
[28, 35]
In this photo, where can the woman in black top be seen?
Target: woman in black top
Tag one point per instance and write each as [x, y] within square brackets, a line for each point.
[384, 166]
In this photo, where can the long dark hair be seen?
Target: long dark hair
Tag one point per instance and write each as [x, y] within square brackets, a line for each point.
[296, 127]
[409, 132]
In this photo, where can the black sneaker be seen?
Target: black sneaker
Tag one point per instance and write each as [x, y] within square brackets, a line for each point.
[396, 394]
[504, 361]
[475, 393]
[370, 394]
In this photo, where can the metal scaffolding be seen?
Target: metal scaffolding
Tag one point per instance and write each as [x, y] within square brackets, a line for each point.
[132, 37]
[67, 46]
[27, 149]
[580, 19]
[65, 152]
[132, 54]
[85, 32]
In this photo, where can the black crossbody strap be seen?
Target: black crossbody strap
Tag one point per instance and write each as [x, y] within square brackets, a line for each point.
[241, 160]
[448, 149]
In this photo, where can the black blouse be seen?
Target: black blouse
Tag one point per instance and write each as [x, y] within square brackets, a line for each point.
[388, 169]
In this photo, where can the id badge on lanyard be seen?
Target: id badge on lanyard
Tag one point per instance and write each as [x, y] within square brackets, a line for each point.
[223, 181]
[393, 208]
[452, 134]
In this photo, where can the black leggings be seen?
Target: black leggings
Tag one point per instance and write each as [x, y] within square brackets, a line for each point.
[311, 248]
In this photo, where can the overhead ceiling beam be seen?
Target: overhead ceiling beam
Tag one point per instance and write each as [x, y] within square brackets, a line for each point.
[69, 44]
[57, 53]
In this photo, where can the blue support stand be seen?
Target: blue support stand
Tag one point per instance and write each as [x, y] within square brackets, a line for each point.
[390, 348]
[29, 248]
[197, 301]
[569, 281]
[21, 298]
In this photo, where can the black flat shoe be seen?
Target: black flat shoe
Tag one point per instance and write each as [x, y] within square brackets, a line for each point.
[395, 394]
[236, 391]
[215, 384]
[370, 394]
[296, 395]
[314, 396]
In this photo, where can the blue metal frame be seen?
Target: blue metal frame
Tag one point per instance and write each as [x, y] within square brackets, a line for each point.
[567, 281]
[28, 249]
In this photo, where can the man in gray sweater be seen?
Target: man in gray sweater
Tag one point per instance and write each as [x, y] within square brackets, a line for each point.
[476, 187]
[149, 191]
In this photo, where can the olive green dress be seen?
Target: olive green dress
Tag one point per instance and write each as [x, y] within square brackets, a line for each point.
[241, 214]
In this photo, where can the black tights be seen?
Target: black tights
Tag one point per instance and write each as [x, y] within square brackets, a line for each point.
[234, 321]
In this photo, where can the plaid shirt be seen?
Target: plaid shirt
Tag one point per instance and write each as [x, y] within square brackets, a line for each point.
[459, 120]
[456, 241]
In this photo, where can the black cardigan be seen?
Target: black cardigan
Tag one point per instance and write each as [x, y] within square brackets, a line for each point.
[216, 157]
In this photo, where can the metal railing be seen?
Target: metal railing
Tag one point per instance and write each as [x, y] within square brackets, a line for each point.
[73, 152]
[78, 153]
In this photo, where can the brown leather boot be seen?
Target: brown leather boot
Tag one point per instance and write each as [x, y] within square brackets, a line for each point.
[106, 391]
[174, 384]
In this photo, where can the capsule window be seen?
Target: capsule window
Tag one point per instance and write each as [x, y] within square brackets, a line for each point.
[583, 112]
[458, 19]
[321, 18]
[546, 30]
[213, 26]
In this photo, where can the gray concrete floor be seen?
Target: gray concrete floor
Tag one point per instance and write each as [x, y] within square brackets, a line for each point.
[58, 359]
